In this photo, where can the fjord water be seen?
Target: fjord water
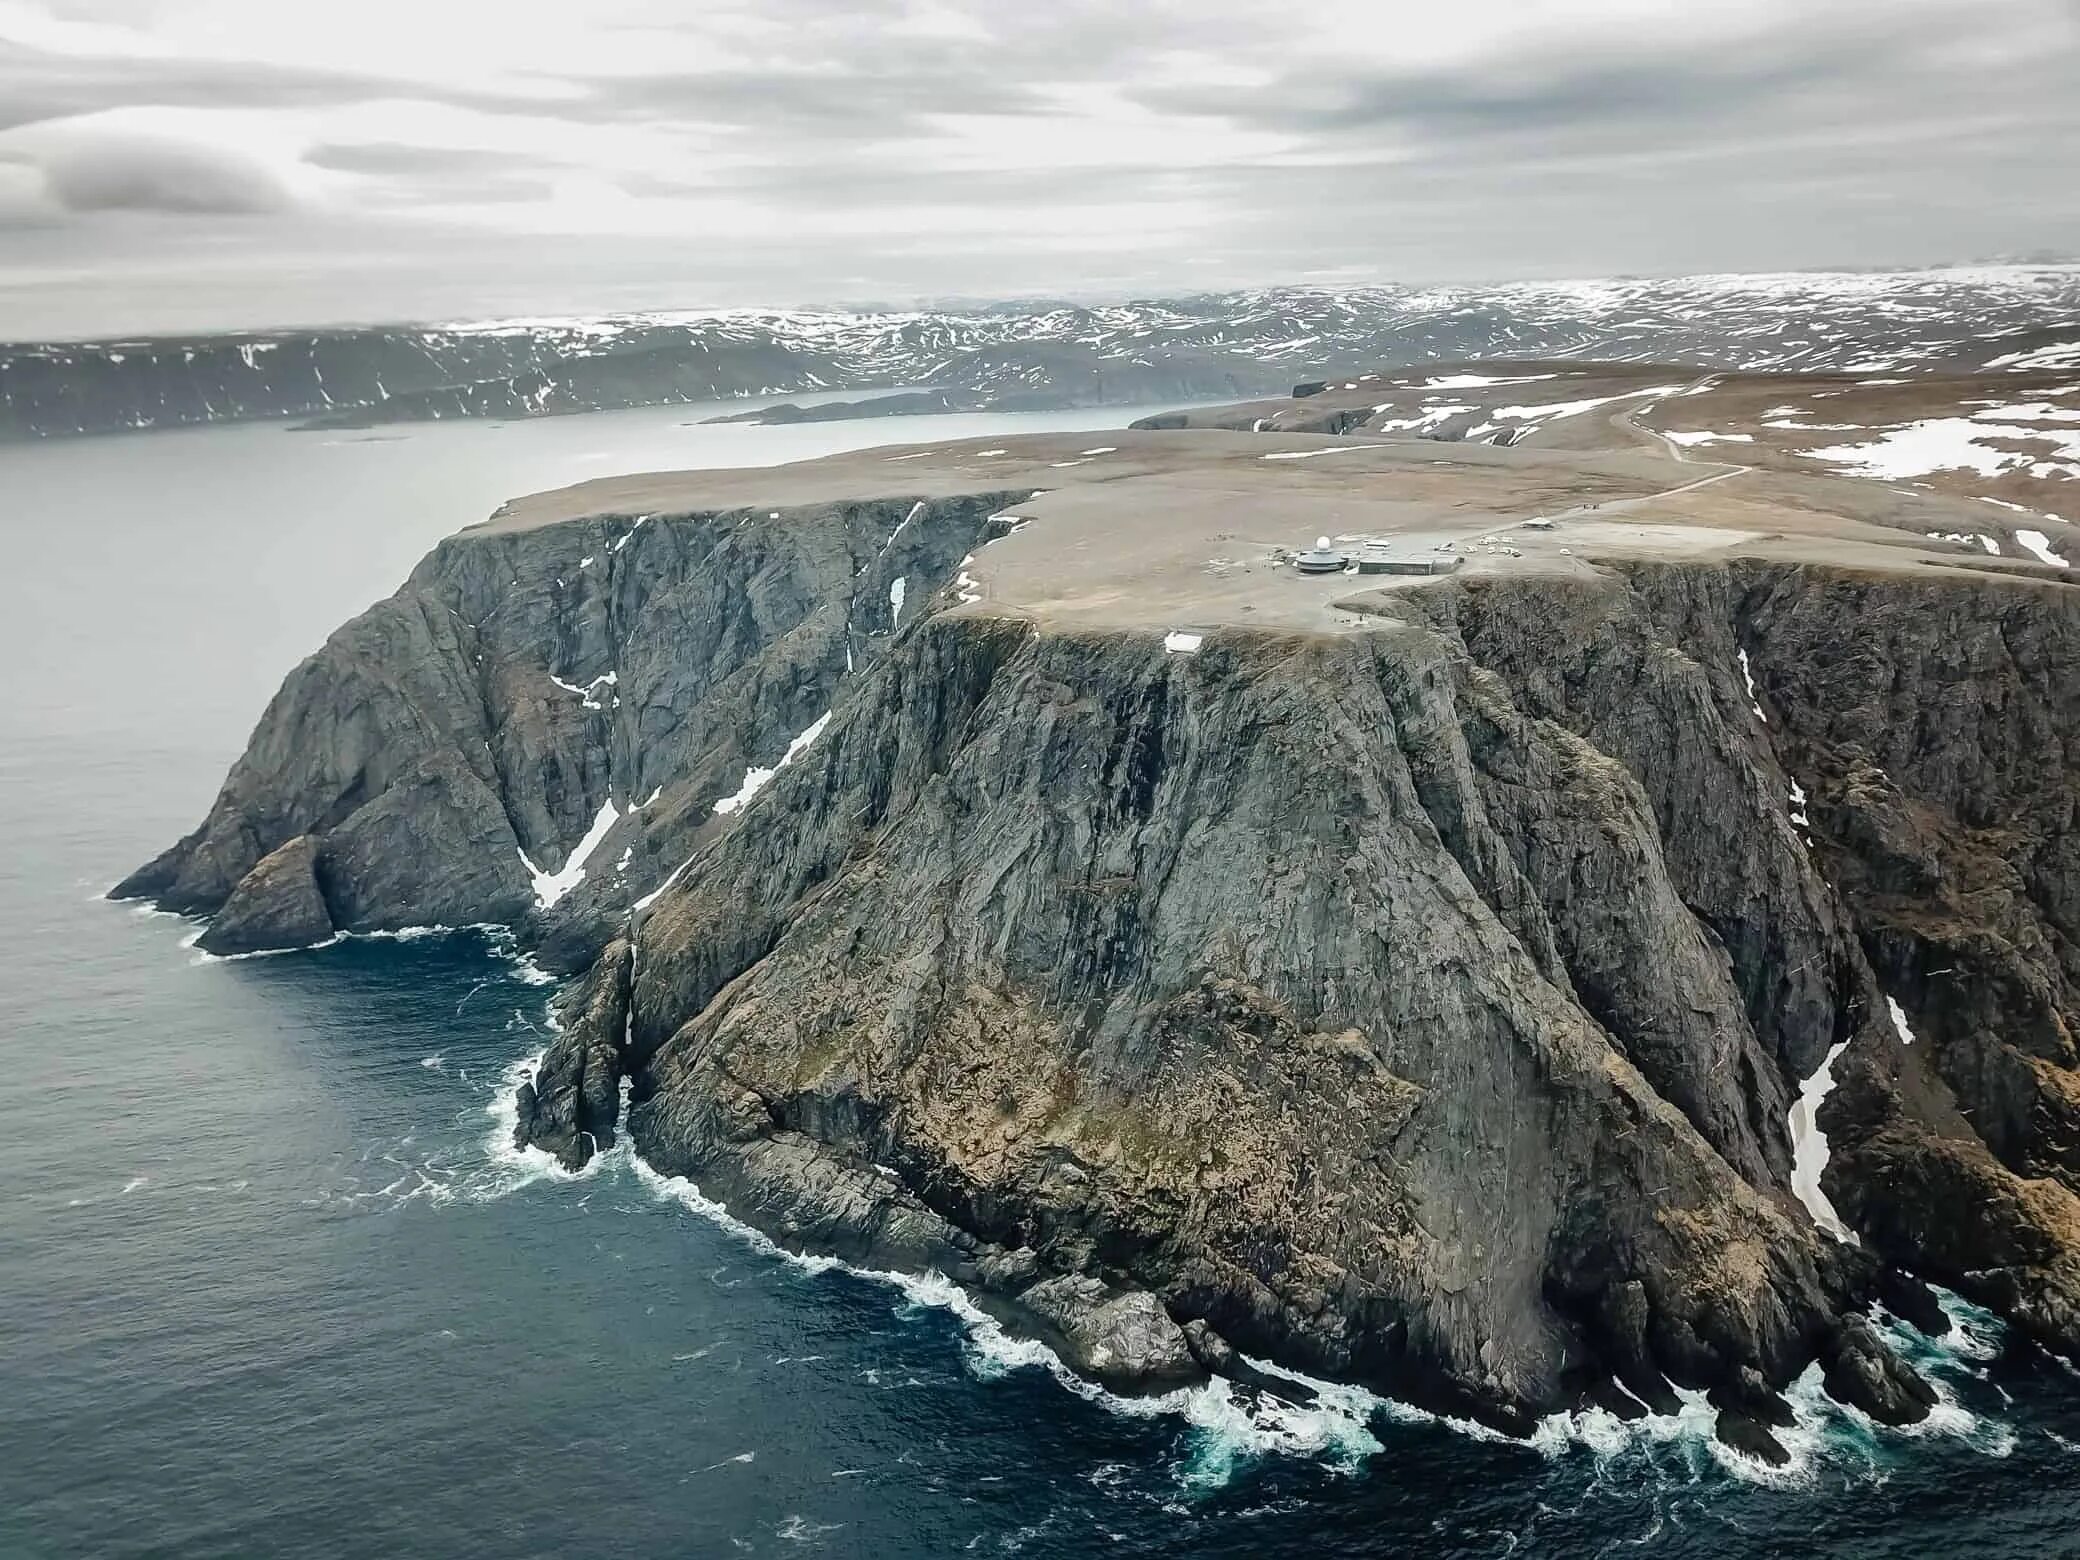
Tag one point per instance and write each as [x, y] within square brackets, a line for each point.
[270, 1284]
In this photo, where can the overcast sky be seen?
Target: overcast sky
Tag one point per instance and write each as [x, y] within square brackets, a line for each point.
[195, 163]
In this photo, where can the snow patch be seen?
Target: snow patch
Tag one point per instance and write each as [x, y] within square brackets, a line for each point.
[1433, 417]
[1478, 381]
[2040, 544]
[1809, 1148]
[1559, 409]
[756, 780]
[1965, 539]
[903, 525]
[549, 887]
[1748, 677]
[586, 692]
[1956, 444]
[1334, 449]
[2030, 411]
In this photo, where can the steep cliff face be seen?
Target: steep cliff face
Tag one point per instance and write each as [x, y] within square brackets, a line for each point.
[1918, 742]
[1169, 971]
[1422, 1002]
[1936, 731]
[528, 695]
[1425, 1005]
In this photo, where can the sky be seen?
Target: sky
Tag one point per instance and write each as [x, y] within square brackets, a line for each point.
[201, 164]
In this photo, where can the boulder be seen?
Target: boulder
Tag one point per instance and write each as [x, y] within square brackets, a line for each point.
[276, 905]
[1750, 1436]
[1124, 1339]
[1861, 1371]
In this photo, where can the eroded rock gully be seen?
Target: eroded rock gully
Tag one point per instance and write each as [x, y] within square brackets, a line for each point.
[1421, 1006]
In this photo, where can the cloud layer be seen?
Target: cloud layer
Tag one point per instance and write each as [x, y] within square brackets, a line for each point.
[240, 162]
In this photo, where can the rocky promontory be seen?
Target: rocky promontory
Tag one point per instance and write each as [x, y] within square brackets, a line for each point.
[1002, 861]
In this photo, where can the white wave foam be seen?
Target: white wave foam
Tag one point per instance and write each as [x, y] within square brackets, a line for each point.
[505, 945]
[1826, 1434]
[513, 1167]
[1229, 1430]
[798, 1529]
[1229, 1427]
[498, 937]
[1975, 1332]
[202, 956]
[143, 909]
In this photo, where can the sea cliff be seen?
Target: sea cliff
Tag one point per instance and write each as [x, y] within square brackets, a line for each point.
[1422, 1003]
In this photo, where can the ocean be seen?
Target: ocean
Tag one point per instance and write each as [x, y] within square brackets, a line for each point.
[272, 1283]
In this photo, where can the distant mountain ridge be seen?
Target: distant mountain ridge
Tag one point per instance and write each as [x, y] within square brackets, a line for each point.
[1191, 346]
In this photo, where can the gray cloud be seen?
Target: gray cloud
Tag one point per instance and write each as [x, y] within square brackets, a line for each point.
[407, 176]
[847, 101]
[1841, 74]
[860, 150]
[1569, 95]
[36, 88]
[137, 173]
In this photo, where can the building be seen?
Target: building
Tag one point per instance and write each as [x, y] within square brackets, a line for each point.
[1322, 558]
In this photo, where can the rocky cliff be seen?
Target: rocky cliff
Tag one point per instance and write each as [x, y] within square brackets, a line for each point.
[538, 726]
[1422, 1003]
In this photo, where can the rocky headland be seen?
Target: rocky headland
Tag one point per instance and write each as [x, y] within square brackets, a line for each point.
[1000, 861]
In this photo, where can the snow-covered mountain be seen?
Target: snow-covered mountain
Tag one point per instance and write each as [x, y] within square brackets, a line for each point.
[1205, 345]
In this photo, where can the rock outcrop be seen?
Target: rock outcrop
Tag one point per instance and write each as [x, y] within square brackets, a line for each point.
[570, 1106]
[450, 749]
[1420, 1003]
[276, 905]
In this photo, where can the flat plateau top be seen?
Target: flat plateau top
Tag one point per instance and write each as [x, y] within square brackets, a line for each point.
[1187, 530]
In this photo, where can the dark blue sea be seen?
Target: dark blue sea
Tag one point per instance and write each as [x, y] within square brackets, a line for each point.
[271, 1285]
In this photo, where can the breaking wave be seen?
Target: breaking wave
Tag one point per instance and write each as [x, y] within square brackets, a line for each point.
[1827, 1435]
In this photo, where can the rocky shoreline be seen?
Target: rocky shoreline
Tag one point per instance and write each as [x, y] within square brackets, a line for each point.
[1420, 1005]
